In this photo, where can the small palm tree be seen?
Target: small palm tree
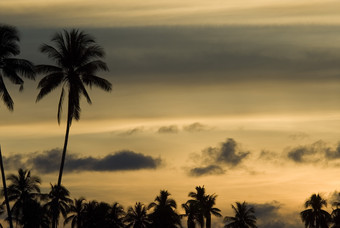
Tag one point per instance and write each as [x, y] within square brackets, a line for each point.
[137, 217]
[76, 211]
[244, 217]
[199, 198]
[315, 217]
[209, 209]
[58, 203]
[77, 58]
[164, 214]
[10, 67]
[22, 189]
[116, 216]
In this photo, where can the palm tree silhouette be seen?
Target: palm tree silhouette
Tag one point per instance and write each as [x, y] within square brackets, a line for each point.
[77, 58]
[58, 203]
[164, 214]
[244, 217]
[11, 67]
[137, 217]
[315, 216]
[192, 211]
[209, 209]
[77, 210]
[199, 197]
[116, 216]
[23, 189]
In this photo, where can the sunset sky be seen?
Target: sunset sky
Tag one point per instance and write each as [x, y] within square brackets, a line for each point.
[242, 97]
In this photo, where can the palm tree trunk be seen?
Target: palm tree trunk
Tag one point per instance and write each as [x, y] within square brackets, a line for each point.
[64, 152]
[208, 221]
[5, 191]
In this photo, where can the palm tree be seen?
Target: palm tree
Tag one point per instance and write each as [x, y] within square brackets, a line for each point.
[244, 217]
[199, 197]
[11, 67]
[192, 212]
[315, 216]
[77, 210]
[137, 217]
[77, 58]
[58, 203]
[209, 209]
[23, 189]
[116, 216]
[164, 214]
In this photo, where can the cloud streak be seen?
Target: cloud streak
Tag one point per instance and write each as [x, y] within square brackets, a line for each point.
[48, 162]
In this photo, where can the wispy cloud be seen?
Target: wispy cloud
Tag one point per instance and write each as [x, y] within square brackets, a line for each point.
[172, 129]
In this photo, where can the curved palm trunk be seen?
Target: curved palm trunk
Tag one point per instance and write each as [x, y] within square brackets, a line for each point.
[5, 191]
[64, 152]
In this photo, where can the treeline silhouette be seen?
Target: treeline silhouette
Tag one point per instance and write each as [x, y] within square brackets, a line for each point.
[32, 208]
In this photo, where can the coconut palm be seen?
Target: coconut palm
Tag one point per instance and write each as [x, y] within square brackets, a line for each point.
[314, 216]
[58, 203]
[10, 67]
[192, 211]
[77, 213]
[199, 198]
[164, 214]
[244, 217]
[116, 216]
[77, 58]
[209, 209]
[137, 217]
[22, 189]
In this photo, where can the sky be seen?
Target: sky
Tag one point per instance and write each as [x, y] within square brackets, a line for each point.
[239, 96]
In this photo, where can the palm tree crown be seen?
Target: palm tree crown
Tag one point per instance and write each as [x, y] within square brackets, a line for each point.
[77, 58]
[315, 216]
[11, 67]
[164, 214]
[137, 217]
[244, 217]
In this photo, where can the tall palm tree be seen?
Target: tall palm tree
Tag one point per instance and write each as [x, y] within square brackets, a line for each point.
[137, 217]
[23, 189]
[164, 214]
[11, 67]
[314, 216]
[58, 203]
[244, 217]
[209, 209]
[77, 58]
[77, 213]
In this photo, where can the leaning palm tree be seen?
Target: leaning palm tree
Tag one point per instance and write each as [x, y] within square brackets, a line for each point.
[76, 213]
[137, 217]
[164, 211]
[11, 68]
[209, 209]
[315, 216]
[22, 189]
[58, 203]
[244, 217]
[77, 58]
